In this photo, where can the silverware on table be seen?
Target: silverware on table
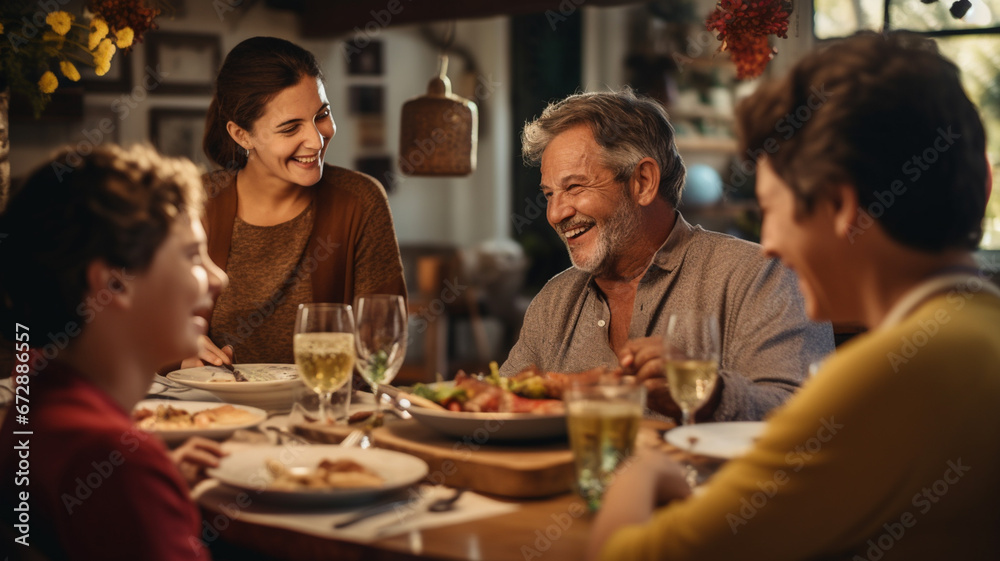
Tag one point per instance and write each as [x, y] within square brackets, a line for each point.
[237, 375]
[443, 504]
[368, 512]
[353, 439]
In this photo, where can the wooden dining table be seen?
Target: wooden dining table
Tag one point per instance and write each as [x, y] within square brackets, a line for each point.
[551, 527]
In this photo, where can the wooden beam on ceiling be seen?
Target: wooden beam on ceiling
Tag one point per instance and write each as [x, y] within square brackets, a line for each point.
[330, 18]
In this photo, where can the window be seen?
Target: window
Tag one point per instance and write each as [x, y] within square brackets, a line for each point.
[972, 42]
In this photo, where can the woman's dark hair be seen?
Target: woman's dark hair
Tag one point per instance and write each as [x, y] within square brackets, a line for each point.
[112, 205]
[253, 73]
[887, 114]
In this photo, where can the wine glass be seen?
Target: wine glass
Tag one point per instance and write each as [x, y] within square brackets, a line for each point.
[323, 345]
[692, 360]
[380, 341]
[692, 364]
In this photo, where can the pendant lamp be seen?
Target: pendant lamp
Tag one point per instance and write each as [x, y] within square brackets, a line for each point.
[439, 131]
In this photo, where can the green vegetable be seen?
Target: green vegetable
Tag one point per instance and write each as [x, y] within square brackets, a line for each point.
[533, 387]
[440, 394]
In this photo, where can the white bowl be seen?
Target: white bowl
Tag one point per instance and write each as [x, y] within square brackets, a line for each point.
[270, 386]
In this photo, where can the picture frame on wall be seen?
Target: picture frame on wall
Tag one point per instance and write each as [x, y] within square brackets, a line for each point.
[117, 79]
[364, 61]
[179, 132]
[186, 63]
[379, 167]
[366, 100]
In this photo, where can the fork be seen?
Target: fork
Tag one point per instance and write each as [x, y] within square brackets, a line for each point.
[353, 439]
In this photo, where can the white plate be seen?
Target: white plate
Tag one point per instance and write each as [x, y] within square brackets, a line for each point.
[506, 427]
[717, 440]
[270, 386]
[483, 427]
[245, 469]
[215, 432]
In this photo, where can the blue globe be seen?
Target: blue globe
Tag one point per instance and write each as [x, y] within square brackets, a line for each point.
[702, 187]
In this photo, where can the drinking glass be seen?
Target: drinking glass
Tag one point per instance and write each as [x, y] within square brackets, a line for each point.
[323, 345]
[692, 360]
[603, 420]
[380, 341]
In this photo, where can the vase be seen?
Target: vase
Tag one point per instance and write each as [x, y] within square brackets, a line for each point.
[4, 148]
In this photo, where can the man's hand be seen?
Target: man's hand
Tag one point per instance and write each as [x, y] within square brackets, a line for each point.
[643, 358]
[208, 353]
[194, 456]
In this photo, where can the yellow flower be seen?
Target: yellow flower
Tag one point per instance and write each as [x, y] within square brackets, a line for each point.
[102, 68]
[98, 31]
[48, 82]
[124, 37]
[69, 70]
[60, 21]
[103, 53]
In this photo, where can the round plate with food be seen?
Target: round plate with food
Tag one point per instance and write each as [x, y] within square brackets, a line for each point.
[175, 421]
[524, 407]
[319, 474]
[268, 386]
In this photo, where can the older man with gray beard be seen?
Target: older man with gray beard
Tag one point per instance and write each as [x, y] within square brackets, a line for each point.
[613, 178]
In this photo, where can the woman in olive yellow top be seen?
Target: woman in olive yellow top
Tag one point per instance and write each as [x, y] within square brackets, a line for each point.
[892, 451]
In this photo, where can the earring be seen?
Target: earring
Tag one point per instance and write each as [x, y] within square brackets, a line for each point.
[247, 150]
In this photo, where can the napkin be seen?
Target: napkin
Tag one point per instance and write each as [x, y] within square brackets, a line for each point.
[319, 522]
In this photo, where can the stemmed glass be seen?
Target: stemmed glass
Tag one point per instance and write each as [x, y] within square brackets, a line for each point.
[692, 359]
[692, 353]
[323, 345]
[380, 341]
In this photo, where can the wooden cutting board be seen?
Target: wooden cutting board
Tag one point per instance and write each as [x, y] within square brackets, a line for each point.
[510, 470]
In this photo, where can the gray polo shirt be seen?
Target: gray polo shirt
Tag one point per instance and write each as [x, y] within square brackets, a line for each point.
[767, 340]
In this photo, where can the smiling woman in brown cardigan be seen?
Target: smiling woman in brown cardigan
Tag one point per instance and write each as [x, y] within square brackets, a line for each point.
[285, 227]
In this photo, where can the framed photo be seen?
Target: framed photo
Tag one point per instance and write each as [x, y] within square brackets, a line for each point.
[379, 167]
[366, 100]
[371, 131]
[364, 61]
[179, 132]
[117, 79]
[185, 62]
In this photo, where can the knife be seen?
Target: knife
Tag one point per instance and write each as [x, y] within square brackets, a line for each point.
[372, 511]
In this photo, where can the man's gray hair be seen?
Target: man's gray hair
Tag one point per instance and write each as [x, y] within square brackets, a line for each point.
[628, 127]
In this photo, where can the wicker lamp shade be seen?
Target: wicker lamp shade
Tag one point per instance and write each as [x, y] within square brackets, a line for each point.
[439, 131]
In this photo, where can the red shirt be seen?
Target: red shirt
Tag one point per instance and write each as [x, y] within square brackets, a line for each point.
[98, 487]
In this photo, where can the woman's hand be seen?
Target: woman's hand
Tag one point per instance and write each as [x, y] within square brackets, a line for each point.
[208, 353]
[647, 480]
[194, 456]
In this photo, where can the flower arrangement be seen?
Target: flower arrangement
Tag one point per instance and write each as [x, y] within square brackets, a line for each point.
[40, 46]
[743, 26]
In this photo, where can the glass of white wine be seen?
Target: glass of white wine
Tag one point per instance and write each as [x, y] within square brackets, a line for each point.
[692, 360]
[380, 340]
[323, 345]
[603, 420]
